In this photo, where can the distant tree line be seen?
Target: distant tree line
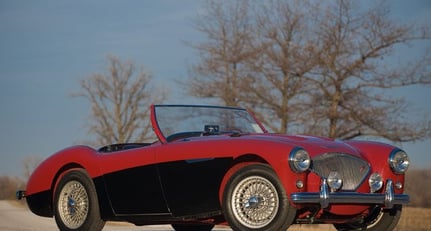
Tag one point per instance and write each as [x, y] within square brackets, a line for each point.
[9, 185]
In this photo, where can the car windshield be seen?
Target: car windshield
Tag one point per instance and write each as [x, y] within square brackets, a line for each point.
[204, 120]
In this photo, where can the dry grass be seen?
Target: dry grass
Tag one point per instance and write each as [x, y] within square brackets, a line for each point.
[415, 219]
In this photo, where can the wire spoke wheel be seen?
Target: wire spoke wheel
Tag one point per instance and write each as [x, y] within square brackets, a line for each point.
[255, 202]
[76, 203]
[254, 199]
[73, 204]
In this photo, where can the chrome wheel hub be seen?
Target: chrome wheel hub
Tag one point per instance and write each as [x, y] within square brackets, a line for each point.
[255, 202]
[73, 204]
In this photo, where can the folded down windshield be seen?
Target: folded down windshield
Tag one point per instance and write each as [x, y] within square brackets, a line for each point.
[205, 120]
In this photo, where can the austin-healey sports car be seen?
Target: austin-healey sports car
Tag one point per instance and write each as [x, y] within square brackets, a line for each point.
[219, 166]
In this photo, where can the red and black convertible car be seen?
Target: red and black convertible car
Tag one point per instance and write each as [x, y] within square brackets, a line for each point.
[218, 165]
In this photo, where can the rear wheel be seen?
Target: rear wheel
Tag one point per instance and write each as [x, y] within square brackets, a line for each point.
[76, 204]
[378, 220]
[192, 227]
[255, 200]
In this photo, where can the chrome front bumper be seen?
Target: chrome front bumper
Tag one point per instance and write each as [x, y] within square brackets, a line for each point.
[325, 197]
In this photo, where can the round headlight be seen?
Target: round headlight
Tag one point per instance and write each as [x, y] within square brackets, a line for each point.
[399, 161]
[299, 160]
[376, 182]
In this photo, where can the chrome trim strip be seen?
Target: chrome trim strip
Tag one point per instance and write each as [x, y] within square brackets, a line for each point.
[325, 198]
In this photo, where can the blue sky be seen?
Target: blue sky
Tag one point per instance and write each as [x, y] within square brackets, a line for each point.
[46, 47]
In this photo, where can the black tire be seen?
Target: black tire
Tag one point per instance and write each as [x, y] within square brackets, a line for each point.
[75, 203]
[192, 227]
[255, 200]
[378, 220]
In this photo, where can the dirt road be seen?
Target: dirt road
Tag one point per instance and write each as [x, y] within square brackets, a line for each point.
[19, 218]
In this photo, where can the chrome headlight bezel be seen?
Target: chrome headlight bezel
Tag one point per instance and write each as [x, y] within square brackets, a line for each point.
[399, 161]
[299, 160]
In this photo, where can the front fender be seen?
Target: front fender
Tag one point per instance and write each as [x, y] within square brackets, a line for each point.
[377, 154]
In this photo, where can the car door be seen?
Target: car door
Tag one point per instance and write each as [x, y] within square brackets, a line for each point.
[132, 182]
[190, 179]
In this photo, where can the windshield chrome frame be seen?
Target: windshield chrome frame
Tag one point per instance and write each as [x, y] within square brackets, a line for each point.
[161, 136]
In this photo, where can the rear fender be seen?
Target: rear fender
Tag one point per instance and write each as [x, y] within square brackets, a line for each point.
[45, 175]
[41, 184]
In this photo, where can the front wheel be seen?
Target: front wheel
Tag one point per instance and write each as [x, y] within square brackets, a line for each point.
[76, 204]
[379, 219]
[192, 227]
[255, 200]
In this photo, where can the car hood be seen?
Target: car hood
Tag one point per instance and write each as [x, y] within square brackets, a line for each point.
[313, 144]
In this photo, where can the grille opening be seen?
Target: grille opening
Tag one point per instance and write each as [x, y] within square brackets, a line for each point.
[353, 170]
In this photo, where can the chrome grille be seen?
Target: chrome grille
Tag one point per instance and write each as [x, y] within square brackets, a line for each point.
[352, 169]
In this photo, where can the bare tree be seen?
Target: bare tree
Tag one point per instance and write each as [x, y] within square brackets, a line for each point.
[313, 67]
[350, 98]
[275, 86]
[120, 101]
[255, 56]
[227, 26]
